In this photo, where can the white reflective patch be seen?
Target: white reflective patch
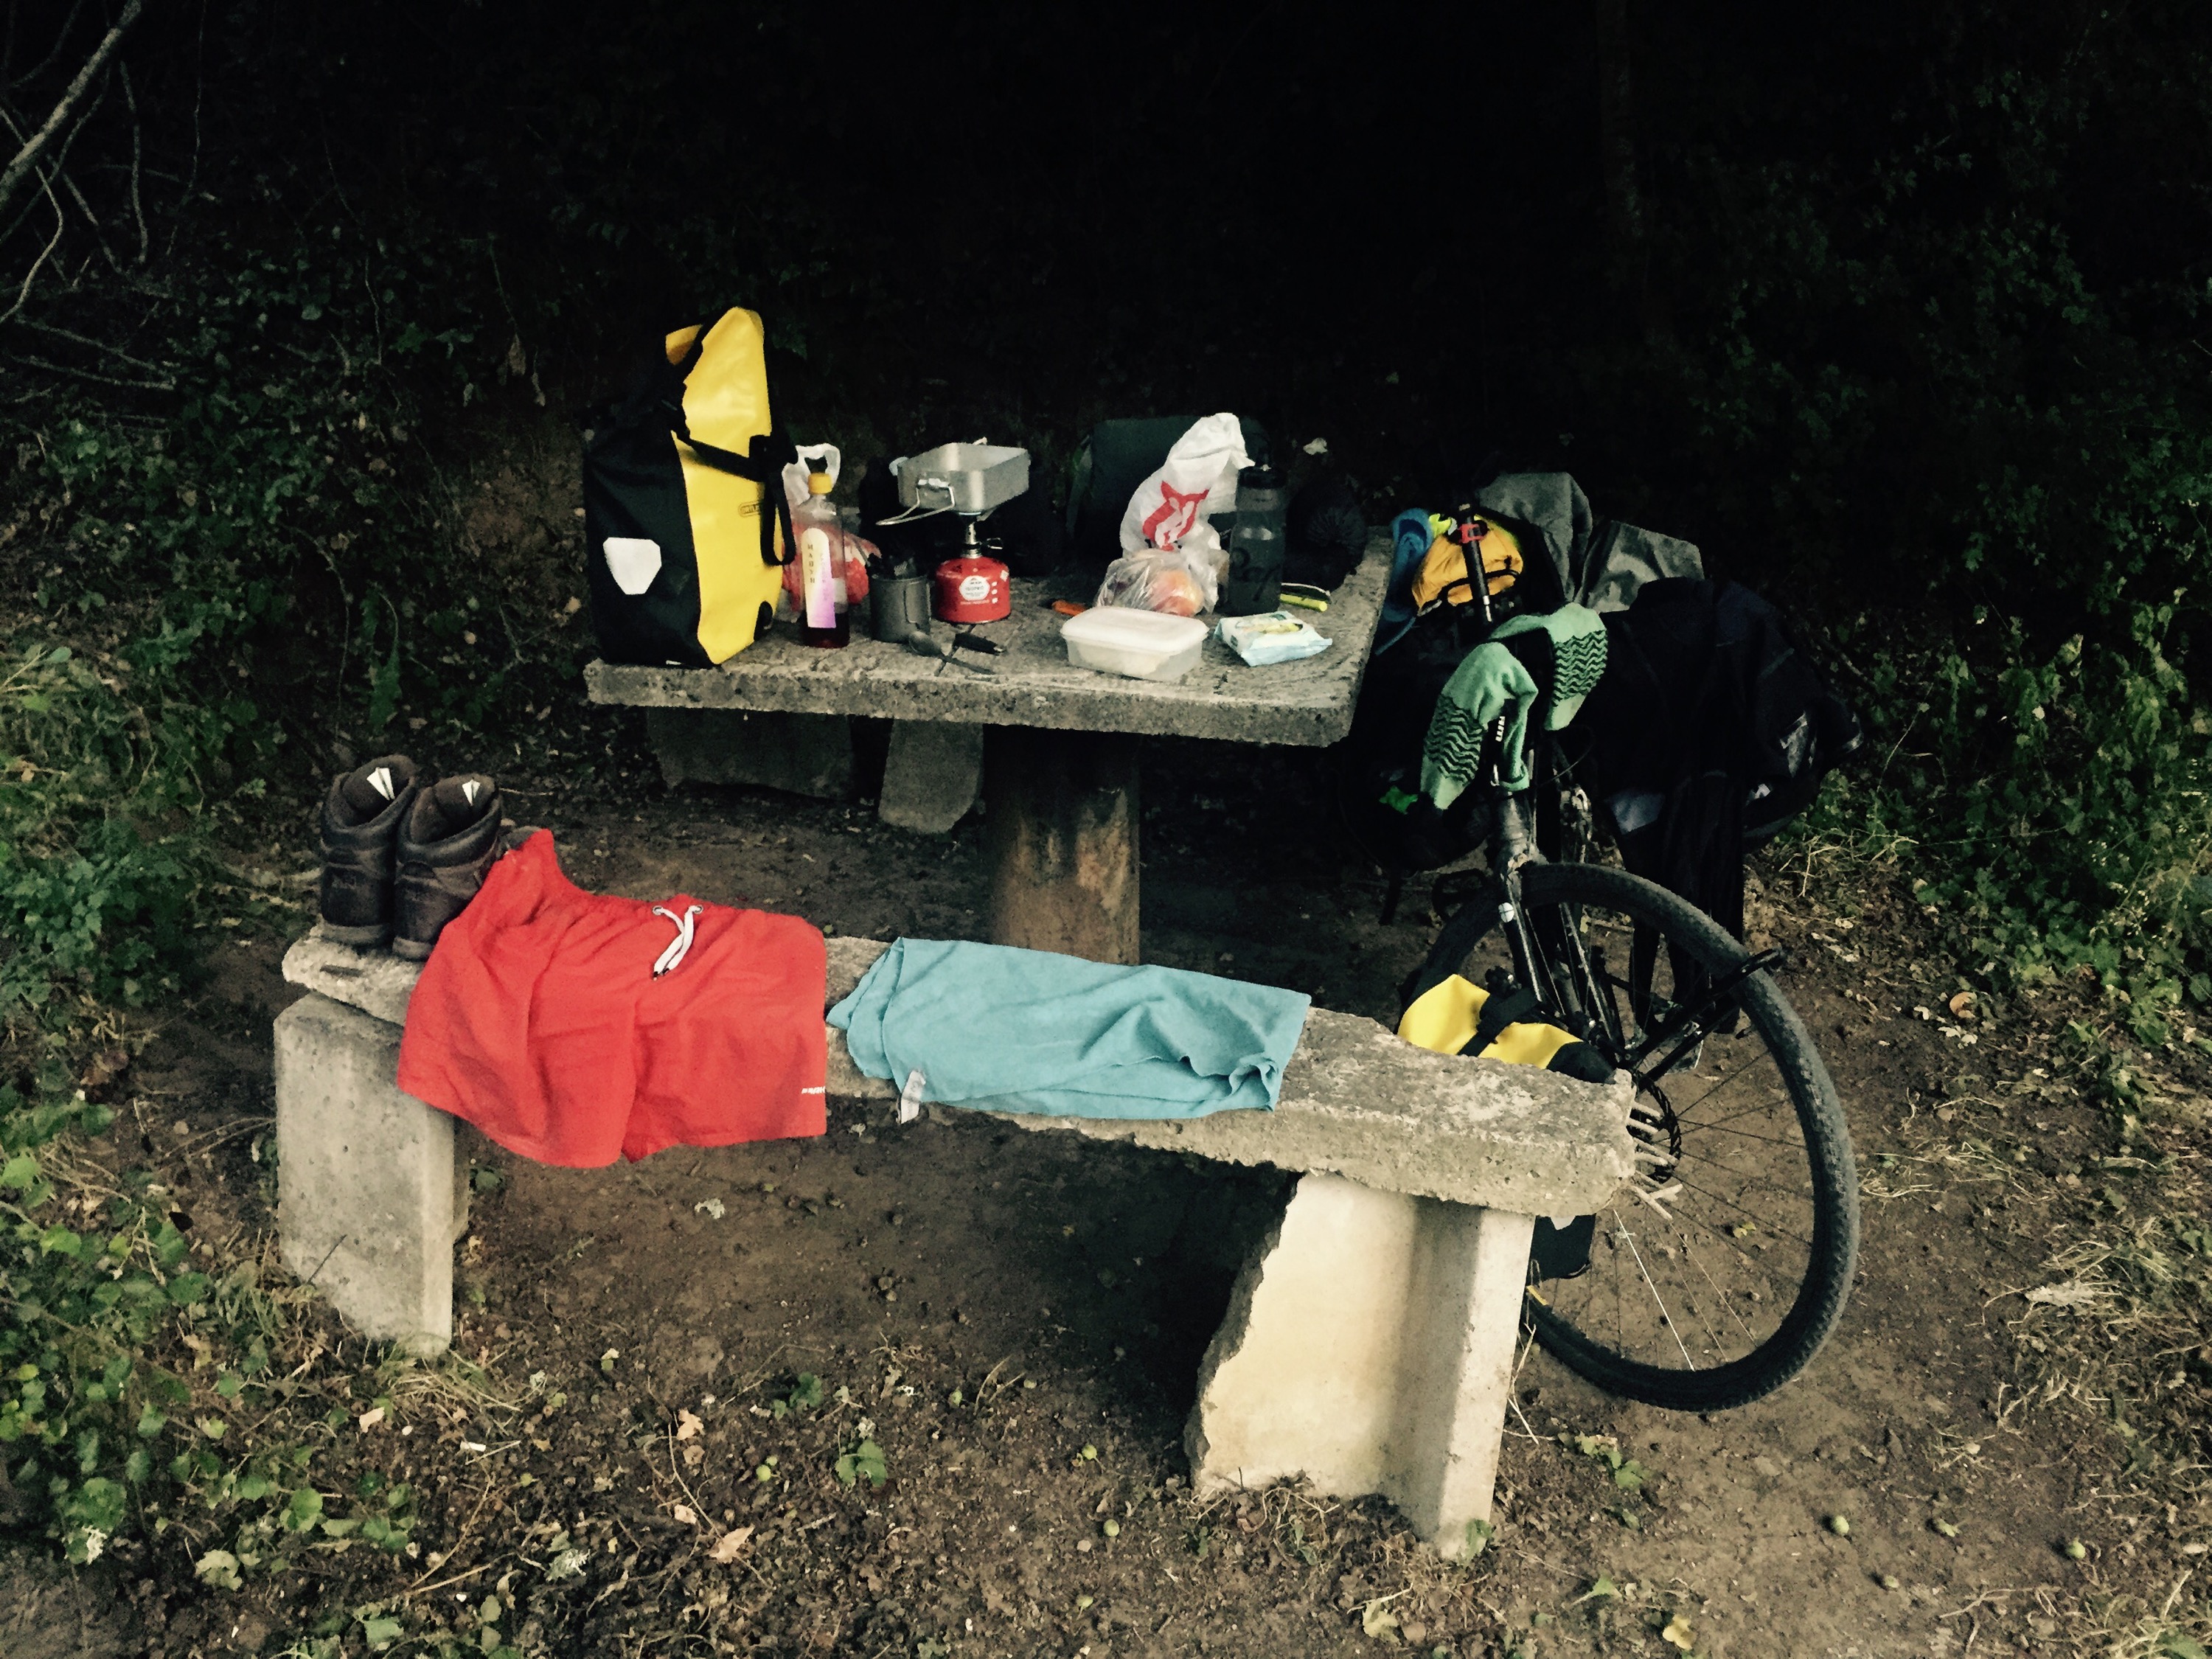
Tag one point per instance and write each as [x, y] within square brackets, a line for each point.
[380, 781]
[469, 789]
[634, 561]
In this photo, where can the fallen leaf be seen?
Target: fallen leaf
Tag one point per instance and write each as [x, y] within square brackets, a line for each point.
[727, 1546]
[1678, 1633]
[1961, 1005]
[2075, 1293]
[710, 1207]
[687, 1425]
[684, 1513]
[370, 1417]
[108, 1064]
[1379, 1622]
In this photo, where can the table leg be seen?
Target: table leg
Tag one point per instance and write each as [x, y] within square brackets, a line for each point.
[1061, 830]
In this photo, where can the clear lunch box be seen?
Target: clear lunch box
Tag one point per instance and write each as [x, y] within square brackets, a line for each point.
[1144, 645]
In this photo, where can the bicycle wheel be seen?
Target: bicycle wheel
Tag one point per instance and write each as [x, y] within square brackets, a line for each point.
[1714, 1277]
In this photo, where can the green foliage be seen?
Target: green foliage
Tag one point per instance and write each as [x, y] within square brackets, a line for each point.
[804, 1395]
[100, 1438]
[1894, 364]
[865, 1460]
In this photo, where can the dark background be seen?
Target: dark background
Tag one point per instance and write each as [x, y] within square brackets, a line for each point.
[1895, 309]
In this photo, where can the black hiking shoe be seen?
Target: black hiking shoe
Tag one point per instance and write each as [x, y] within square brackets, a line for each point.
[445, 847]
[359, 831]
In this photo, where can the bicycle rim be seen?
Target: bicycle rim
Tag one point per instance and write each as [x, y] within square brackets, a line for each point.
[1715, 1276]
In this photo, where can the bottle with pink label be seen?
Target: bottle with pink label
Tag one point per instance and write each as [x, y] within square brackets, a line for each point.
[824, 616]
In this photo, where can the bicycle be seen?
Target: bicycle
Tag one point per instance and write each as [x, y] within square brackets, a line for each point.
[1720, 1268]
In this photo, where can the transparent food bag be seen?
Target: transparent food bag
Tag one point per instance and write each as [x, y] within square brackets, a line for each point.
[1174, 583]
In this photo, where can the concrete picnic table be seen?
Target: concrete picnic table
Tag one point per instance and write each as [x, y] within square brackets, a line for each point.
[1053, 747]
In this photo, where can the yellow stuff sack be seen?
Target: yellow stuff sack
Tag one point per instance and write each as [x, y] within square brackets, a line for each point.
[685, 523]
[1447, 1017]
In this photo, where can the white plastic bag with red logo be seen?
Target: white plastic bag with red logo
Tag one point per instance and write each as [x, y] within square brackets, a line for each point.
[1198, 479]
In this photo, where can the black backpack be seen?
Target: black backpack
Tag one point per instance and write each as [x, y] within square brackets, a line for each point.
[1711, 730]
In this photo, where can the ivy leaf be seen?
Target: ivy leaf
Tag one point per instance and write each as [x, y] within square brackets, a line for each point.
[867, 1460]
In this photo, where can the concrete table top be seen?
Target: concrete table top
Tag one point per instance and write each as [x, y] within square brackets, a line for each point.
[1307, 703]
[1357, 1101]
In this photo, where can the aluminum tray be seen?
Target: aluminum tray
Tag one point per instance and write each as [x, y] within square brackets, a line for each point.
[963, 477]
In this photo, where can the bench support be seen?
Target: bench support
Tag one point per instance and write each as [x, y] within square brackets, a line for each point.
[1061, 834]
[931, 774]
[1369, 1347]
[807, 755]
[370, 1195]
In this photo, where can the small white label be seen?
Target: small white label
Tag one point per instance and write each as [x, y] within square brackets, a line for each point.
[975, 589]
[910, 1098]
[380, 781]
[469, 789]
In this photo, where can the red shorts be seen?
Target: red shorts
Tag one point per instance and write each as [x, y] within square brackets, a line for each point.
[540, 1018]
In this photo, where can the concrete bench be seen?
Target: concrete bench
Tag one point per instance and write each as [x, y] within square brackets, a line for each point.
[1369, 1342]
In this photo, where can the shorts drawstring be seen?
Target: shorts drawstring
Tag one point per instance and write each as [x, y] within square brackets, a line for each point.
[678, 947]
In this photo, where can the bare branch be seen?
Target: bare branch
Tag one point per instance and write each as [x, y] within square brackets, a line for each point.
[138, 207]
[12, 180]
[100, 346]
[60, 40]
[87, 374]
[24, 293]
[99, 236]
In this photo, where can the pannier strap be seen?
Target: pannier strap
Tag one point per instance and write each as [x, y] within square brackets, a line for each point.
[1501, 1010]
[772, 451]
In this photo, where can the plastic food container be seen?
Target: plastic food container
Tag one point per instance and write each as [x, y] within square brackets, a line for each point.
[1144, 645]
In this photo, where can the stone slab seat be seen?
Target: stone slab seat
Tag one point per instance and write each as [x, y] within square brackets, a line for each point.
[1368, 1344]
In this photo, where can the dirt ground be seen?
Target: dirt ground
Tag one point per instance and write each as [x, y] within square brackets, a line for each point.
[675, 1355]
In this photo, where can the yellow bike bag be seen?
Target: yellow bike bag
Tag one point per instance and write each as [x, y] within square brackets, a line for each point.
[685, 523]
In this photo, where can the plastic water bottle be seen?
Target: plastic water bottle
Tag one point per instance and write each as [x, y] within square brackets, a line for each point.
[1255, 546]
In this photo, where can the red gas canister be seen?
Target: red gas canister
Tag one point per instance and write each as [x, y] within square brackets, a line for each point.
[972, 589]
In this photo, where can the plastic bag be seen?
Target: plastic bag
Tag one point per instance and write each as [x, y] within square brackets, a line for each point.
[794, 474]
[1176, 584]
[1275, 637]
[1198, 479]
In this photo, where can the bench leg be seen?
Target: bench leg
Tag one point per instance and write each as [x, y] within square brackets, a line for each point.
[931, 774]
[1369, 1347]
[370, 1197]
[1062, 838]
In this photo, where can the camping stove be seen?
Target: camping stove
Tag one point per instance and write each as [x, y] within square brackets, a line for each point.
[973, 587]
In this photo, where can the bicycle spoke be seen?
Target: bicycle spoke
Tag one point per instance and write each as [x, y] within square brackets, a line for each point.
[1625, 1237]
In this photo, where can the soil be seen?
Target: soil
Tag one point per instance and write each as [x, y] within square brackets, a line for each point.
[675, 1354]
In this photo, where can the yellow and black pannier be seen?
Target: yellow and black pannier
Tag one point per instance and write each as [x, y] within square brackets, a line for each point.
[685, 523]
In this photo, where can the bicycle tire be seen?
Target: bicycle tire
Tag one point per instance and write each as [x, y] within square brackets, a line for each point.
[1830, 1181]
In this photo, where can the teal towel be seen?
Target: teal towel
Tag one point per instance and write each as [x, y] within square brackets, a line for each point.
[1008, 1031]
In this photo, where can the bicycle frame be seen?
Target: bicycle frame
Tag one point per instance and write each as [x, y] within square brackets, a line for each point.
[1569, 988]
